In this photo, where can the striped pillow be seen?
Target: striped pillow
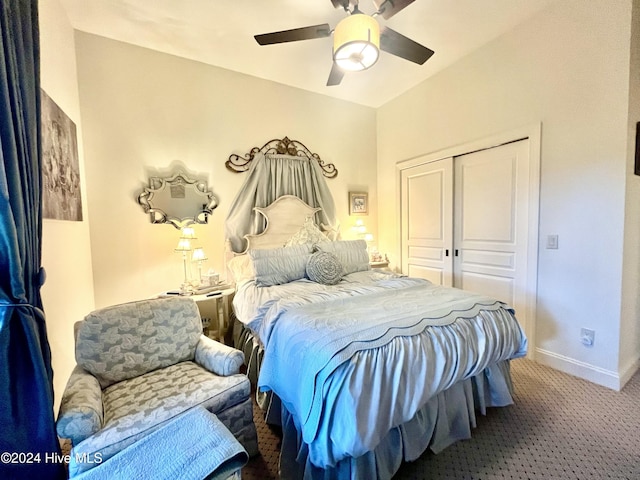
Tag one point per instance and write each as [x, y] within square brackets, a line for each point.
[352, 254]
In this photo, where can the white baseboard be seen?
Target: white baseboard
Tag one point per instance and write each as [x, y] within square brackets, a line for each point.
[600, 376]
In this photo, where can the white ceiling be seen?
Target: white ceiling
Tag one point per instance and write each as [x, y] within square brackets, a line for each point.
[220, 33]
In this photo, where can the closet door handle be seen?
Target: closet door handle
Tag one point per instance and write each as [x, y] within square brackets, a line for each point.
[446, 252]
[456, 252]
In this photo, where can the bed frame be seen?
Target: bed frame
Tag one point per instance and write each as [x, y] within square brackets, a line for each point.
[284, 217]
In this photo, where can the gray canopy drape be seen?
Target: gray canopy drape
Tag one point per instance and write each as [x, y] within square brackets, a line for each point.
[270, 177]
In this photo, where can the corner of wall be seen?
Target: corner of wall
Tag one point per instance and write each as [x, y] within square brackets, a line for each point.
[630, 341]
[66, 252]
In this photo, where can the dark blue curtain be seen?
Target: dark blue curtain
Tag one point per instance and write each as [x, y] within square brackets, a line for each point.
[28, 443]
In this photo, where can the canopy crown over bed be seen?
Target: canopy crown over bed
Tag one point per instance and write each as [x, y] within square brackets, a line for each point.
[280, 168]
[294, 148]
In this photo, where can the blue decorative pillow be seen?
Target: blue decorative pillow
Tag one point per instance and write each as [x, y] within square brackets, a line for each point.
[325, 268]
[352, 254]
[277, 266]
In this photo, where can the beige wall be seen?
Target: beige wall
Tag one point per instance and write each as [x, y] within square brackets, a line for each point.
[143, 111]
[568, 69]
[68, 292]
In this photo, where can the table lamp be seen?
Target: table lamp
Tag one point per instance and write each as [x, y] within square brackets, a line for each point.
[184, 246]
[199, 256]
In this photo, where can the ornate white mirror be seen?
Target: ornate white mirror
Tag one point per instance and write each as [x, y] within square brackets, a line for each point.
[178, 200]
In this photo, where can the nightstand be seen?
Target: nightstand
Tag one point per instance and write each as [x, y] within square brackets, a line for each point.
[215, 311]
[379, 264]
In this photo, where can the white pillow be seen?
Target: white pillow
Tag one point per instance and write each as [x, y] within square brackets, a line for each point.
[241, 267]
[308, 234]
[352, 254]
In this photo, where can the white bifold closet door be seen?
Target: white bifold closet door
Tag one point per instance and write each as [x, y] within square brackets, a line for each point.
[464, 222]
[427, 221]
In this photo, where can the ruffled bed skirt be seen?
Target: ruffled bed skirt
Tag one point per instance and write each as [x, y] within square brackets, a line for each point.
[445, 419]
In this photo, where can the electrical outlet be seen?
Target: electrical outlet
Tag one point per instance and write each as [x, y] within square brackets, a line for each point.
[587, 337]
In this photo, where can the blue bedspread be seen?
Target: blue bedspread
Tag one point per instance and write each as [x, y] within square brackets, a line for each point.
[352, 362]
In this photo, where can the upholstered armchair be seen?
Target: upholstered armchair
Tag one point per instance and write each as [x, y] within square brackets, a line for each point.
[141, 364]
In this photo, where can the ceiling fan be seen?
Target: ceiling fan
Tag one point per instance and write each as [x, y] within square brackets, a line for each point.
[357, 39]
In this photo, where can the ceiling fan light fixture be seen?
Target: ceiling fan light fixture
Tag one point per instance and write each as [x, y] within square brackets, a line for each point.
[356, 42]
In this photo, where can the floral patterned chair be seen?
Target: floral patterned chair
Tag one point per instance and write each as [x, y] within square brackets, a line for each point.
[139, 365]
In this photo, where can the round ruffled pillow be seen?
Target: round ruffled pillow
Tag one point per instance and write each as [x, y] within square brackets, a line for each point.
[325, 268]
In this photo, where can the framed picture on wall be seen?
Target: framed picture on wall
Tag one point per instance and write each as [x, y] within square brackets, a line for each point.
[358, 203]
[61, 198]
[637, 164]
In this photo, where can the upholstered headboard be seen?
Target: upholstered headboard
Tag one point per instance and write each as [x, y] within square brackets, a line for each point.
[284, 218]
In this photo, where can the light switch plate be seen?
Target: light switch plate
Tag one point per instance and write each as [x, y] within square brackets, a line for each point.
[552, 242]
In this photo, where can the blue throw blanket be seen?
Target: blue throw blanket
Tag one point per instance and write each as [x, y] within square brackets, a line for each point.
[192, 446]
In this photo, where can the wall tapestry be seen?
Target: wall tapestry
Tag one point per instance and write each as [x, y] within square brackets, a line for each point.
[60, 166]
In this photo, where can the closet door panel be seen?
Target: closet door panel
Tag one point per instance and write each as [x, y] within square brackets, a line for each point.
[496, 286]
[490, 222]
[487, 202]
[427, 216]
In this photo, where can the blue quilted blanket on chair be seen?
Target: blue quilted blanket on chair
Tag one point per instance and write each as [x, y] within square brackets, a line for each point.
[191, 446]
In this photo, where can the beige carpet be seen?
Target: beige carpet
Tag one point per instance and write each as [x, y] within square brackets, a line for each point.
[560, 427]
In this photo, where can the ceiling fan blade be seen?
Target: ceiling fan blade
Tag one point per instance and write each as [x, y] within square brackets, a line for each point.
[335, 77]
[340, 3]
[397, 44]
[388, 8]
[294, 35]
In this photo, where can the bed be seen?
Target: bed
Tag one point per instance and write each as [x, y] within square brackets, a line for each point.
[363, 369]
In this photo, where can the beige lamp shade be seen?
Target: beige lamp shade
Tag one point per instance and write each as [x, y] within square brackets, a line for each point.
[188, 232]
[356, 42]
[184, 245]
[198, 255]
